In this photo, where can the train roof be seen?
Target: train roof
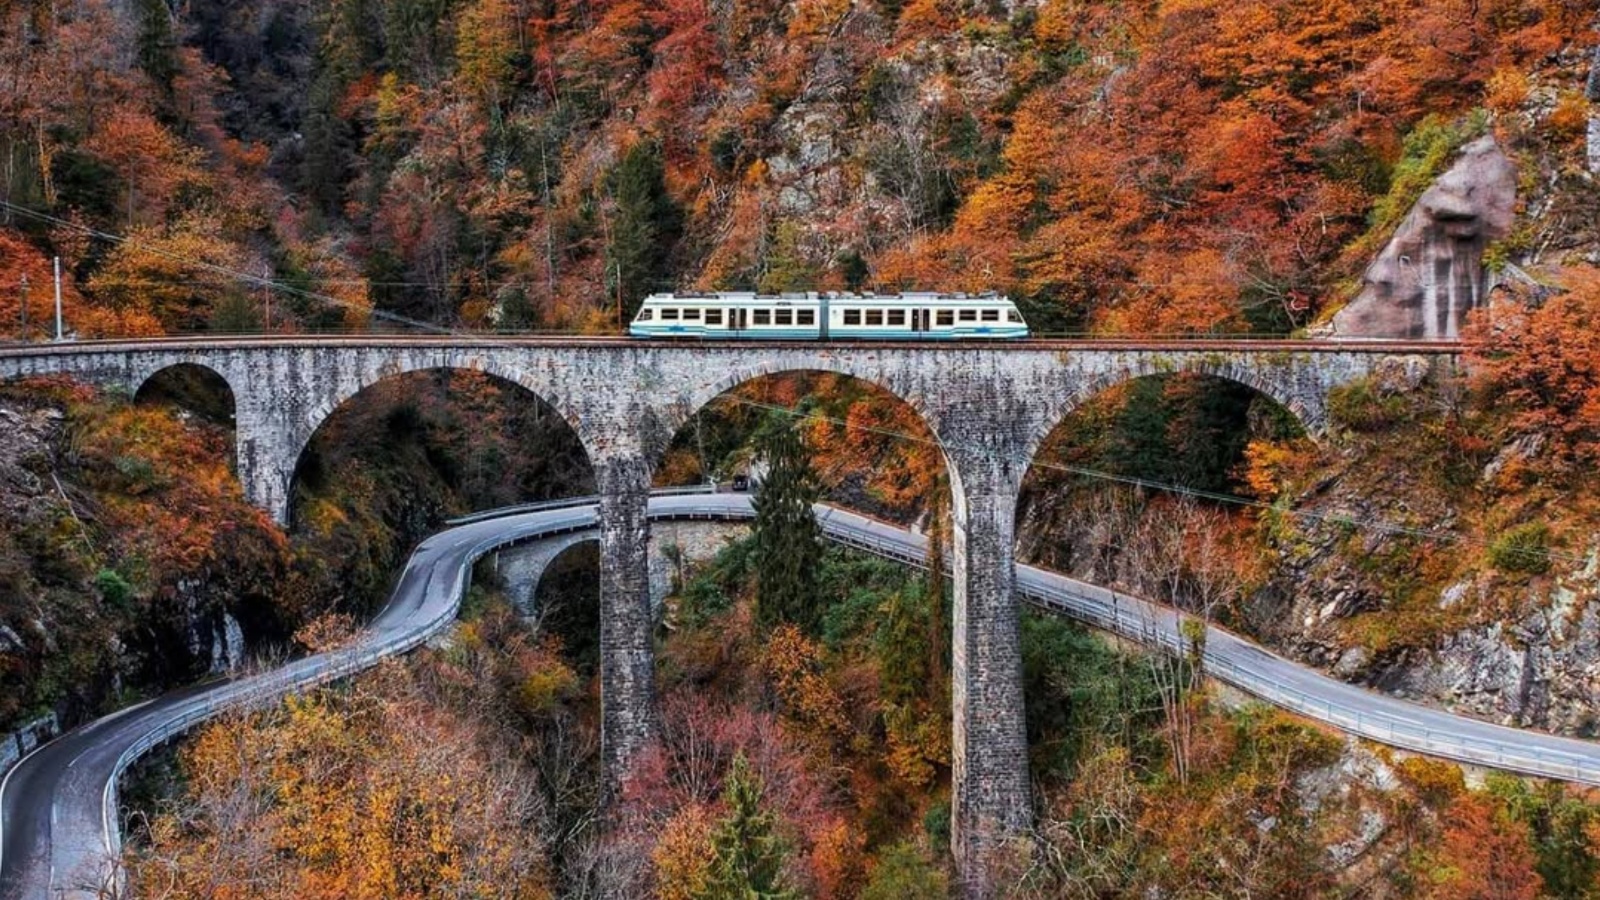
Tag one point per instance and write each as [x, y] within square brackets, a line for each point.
[908, 296]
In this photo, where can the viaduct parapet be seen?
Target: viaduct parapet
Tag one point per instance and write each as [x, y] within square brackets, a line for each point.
[988, 407]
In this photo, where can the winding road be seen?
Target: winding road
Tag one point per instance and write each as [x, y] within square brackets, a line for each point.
[59, 829]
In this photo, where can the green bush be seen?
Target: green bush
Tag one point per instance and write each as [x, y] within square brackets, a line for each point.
[114, 590]
[1522, 550]
[1428, 149]
[902, 872]
[1361, 407]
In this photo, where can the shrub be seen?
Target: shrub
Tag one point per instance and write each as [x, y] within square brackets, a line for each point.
[1359, 406]
[1437, 782]
[1570, 119]
[903, 871]
[1522, 550]
[114, 589]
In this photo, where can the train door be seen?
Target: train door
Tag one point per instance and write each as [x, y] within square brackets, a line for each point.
[739, 318]
[919, 320]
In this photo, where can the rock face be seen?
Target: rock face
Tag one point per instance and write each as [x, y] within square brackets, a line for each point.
[1593, 94]
[1541, 670]
[1432, 273]
[1534, 664]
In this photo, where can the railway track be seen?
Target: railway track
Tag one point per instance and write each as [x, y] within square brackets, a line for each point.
[536, 341]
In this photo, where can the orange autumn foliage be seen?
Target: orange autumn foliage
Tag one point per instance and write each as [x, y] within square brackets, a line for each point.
[19, 260]
[370, 796]
[683, 854]
[1542, 365]
[1485, 855]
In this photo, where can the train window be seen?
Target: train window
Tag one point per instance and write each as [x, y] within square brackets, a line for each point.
[669, 315]
[897, 317]
[783, 317]
[944, 317]
[646, 315]
[852, 317]
[805, 317]
[760, 317]
[969, 315]
[874, 317]
[991, 315]
[713, 317]
[691, 315]
[1013, 316]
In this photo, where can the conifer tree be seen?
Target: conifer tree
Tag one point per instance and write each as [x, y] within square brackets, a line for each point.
[788, 548]
[644, 228]
[749, 854]
[158, 47]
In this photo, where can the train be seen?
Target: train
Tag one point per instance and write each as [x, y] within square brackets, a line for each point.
[825, 316]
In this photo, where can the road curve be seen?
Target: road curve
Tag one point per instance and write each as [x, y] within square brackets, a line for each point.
[58, 824]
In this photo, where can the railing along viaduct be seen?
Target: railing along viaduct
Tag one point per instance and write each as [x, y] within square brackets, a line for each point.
[988, 406]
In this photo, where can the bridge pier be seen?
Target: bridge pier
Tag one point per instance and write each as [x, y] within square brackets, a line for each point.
[627, 624]
[266, 456]
[988, 405]
[987, 445]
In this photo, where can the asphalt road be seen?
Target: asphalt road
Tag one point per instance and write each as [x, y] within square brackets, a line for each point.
[58, 808]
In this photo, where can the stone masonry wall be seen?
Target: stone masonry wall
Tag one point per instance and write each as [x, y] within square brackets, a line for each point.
[674, 546]
[989, 407]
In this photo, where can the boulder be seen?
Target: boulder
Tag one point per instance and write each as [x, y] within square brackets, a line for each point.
[1431, 273]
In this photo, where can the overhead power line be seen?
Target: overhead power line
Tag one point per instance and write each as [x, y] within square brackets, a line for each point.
[1368, 524]
[233, 274]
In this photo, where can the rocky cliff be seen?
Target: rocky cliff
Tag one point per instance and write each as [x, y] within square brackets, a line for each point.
[1432, 272]
[91, 610]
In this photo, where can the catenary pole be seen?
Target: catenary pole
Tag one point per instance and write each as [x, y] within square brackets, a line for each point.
[58, 298]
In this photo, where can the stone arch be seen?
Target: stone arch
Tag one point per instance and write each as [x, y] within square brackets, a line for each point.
[803, 363]
[204, 369]
[162, 383]
[303, 431]
[1311, 418]
[343, 392]
[523, 566]
[697, 400]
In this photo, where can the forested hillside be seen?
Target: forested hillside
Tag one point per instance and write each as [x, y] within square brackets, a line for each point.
[1126, 166]
[1154, 166]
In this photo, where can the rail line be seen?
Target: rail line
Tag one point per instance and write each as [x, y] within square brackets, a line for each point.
[537, 341]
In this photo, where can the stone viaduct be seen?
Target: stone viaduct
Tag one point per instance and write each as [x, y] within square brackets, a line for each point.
[988, 406]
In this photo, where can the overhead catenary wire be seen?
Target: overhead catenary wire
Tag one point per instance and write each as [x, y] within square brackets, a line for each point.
[1328, 519]
[233, 274]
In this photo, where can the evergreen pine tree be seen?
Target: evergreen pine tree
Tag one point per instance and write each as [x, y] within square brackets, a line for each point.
[158, 47]
[788, 548]
[749, 855]
[644, 228]
[853, 268]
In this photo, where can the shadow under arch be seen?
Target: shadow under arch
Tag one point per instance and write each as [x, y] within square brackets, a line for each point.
[316, 416]
[468, 407]
[1219, 367]
[1181, 434]
[193, 387]
[416, 447]
[557, 584]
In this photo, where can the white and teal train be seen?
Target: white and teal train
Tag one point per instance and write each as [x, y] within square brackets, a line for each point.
[822, 316]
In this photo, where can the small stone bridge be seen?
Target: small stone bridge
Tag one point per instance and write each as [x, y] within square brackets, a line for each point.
[988, 406]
